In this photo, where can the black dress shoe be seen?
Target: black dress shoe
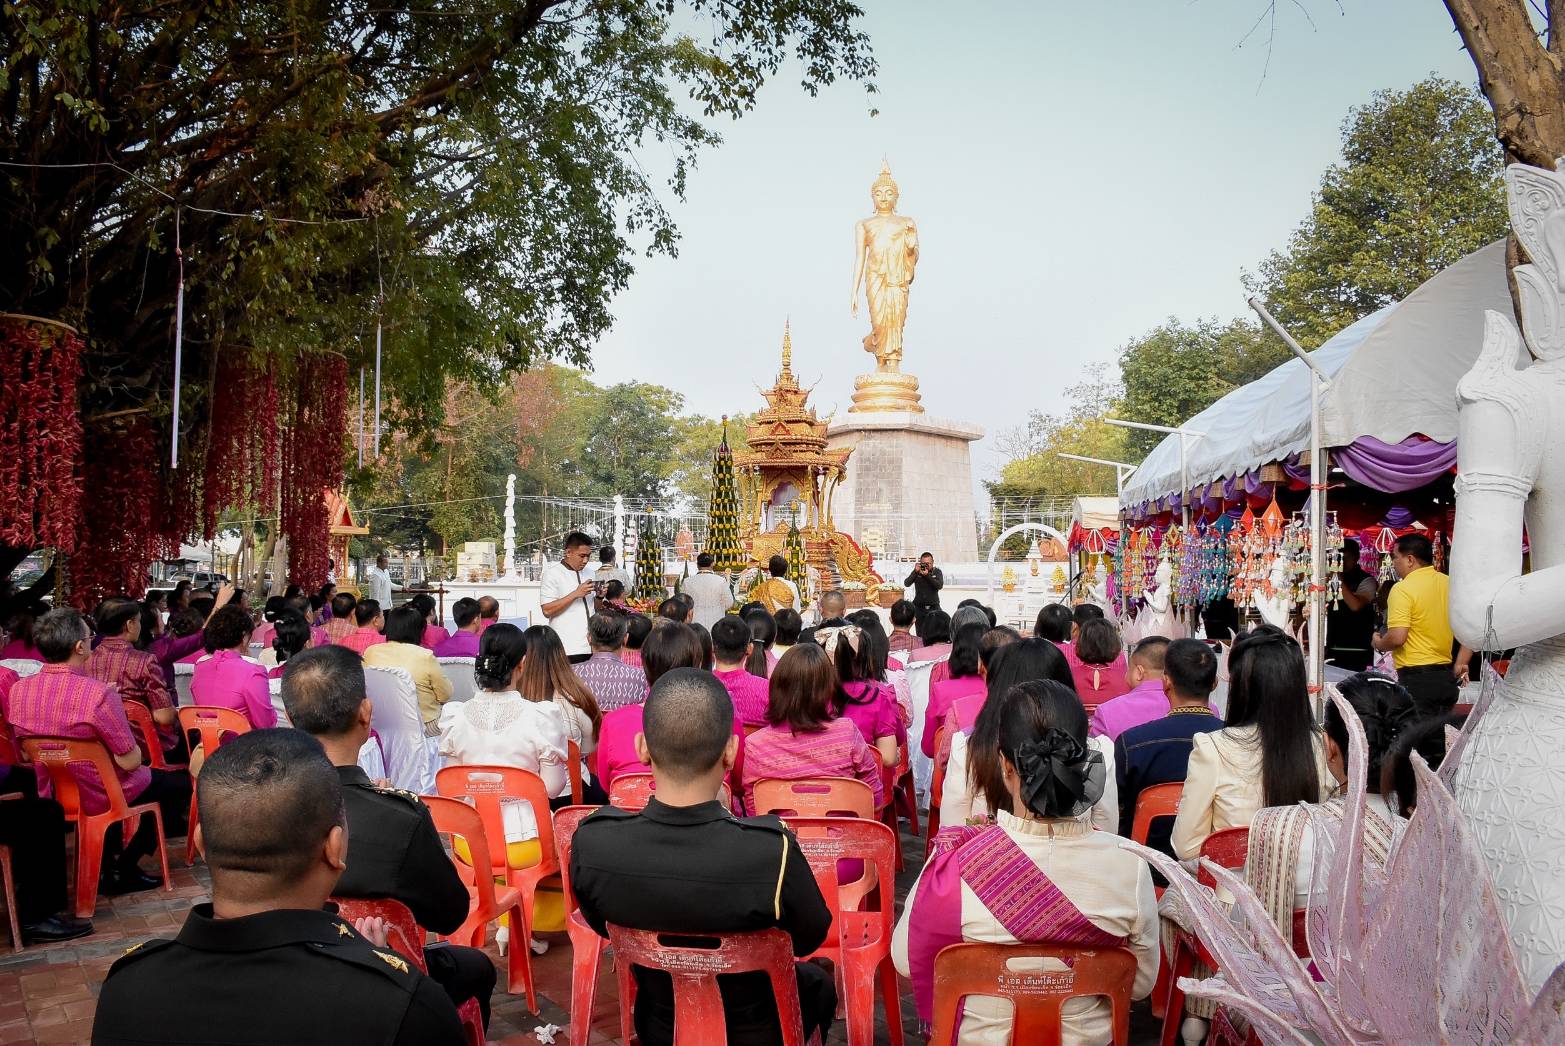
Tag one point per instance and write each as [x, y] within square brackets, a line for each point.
[129, 881]
[55, 928]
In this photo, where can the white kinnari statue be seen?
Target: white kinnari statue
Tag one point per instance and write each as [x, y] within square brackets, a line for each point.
[1510, 472]
[1157, 618]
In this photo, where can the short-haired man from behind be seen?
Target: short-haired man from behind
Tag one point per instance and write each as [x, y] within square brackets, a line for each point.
[1146, 699]
[393, 848]
[488, 612]
[368, 622]
[710, 592]
[613, 683]
[265, 961]
[903, 615]
[1158, 752]
[731, 646]
[464, 641]
[341, 624]
[789, 625]
[1418, 629]
[134, 674]
[685, 865]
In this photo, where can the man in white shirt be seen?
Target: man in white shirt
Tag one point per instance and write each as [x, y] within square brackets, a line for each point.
[379, 580]
[711, 594]
[608, 570]
[566, 594]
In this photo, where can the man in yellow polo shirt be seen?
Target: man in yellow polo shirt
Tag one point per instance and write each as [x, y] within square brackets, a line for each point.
[1418, 627]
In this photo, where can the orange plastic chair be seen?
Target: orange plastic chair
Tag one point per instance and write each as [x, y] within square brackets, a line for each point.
[487, 901]
[815, 797]
[859, 942]
[1036, 995]
[57, 754]
[1154, 802]
[631, 792]
[212, 724]
[485, 786]
[937, 787]
[10, 885]
[586, 945]
[698, 1007]
[888, 795]
[406, 937]
[140, 717]
[1227, 848]
[573, 767]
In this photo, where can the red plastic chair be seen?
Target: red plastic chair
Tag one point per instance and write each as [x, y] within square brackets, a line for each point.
[1157, 801]
[487, 901]
[141, 721]
[937, 787]
[57, 754]
[586, 945]
[486, 786]
[631, 792]
[214, 725]
[907, 789]
[10, 885]
[1036, 995]
[859, 942]
[406, 937]
[698, 1007]
[887, 813]
[815, 797]
[1227, 848]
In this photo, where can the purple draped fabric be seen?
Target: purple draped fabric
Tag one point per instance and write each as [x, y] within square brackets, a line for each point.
[1395, 467]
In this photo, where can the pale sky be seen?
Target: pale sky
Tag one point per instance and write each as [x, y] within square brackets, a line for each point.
[1079, 171]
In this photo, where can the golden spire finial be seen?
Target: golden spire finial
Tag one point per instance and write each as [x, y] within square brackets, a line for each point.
[885, 177]
[787, 367]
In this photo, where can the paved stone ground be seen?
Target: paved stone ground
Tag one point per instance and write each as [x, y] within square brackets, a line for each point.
[47, 994]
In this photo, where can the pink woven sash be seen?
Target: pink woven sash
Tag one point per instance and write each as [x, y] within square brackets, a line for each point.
[1006, 881]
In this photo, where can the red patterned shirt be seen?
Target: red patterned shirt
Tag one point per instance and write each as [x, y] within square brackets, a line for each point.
[134, 673]
[361, 639]
[835, 750]
[61, 701]
[338, 629]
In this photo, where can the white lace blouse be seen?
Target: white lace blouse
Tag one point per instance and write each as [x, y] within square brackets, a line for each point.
[503, 728]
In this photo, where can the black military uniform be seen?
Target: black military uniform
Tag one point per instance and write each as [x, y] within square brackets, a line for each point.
[394, 851]
[699, 869]
[292, 976]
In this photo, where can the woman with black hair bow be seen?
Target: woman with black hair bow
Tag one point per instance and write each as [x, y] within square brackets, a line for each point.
[1039, 874]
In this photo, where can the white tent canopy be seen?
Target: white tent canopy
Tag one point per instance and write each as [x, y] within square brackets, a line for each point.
[1095, 513]
[1393, 374]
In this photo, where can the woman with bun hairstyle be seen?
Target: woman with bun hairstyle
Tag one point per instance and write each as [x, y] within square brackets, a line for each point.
[1038, 875]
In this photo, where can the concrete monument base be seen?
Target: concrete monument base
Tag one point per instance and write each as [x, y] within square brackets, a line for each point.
[910, 489]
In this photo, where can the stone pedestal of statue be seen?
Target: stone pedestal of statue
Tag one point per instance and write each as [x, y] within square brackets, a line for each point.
[911, 480]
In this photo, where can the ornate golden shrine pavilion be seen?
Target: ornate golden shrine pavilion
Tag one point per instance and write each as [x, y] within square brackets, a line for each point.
[788, 475]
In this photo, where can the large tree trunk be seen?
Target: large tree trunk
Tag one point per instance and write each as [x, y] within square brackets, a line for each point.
[1519, 73]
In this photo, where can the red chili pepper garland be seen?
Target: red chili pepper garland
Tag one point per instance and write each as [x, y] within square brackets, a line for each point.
[119, 534]
[40, 435]
[312, 464]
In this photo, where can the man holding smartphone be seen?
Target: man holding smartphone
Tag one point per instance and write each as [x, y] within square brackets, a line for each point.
[926, 581]
[567, 596]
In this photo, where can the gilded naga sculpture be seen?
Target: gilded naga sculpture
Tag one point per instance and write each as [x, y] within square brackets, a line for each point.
[885, 254]
[1511, 405]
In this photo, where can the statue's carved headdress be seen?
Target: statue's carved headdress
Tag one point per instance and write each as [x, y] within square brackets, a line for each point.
[885, 179]
[1537, 204]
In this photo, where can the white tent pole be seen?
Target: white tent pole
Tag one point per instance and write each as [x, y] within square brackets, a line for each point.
[1318, 480]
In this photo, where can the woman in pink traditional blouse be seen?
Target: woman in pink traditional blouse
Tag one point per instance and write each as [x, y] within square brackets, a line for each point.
[1098, 668]
[801, 738]
[1038, 875]
[964, 679]
[226, 678]
[869, 703]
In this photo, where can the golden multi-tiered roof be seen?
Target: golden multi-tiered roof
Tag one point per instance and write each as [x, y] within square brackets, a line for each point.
[787, 434]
